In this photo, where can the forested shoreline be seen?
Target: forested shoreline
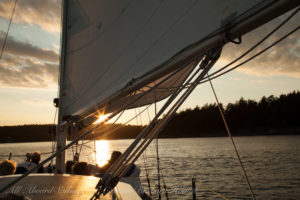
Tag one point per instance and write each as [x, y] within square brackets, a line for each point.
[269, 116]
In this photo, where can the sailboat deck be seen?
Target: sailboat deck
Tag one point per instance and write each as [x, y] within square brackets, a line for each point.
[50, 186]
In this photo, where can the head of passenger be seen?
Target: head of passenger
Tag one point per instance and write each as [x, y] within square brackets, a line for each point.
[81, 168]
[36, 157]
[7, 167]
[28, 157]
[69, 165]
[114, 156]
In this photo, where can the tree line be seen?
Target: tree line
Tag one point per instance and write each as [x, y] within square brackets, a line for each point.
[270, 115]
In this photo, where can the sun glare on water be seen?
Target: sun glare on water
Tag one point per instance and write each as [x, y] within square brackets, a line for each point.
[102, 118]
[102, 152]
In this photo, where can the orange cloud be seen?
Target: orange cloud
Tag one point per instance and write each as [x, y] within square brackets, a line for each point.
[25, 65]
[44, 13]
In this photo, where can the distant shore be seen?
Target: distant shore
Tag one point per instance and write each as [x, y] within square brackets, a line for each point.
[40, 133]
[269, 116]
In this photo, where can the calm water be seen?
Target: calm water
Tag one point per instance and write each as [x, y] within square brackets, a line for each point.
[272, 164]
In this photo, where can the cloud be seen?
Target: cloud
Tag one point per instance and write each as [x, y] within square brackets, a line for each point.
[283, 59]
[26, 72]
[25, 65]
[19, 48]
[44, 13]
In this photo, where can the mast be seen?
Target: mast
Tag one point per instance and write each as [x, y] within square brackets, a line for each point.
[61, 136]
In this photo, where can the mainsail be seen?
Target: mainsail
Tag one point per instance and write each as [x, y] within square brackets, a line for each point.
[119, 48]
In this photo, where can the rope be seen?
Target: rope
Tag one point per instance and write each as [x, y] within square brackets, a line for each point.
[120, 167]
[95, 151]
[230, 136]
[147, 174]
[6, 36]
[152, 124]
[157, 157]
[257, 44]
[158, 169]
[53, 134]
[160, 173]
[162, 123]
[254, 56]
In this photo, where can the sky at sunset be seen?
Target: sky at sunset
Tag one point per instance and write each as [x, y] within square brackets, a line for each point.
[29, 65]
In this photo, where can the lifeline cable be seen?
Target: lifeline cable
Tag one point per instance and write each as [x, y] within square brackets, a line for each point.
[232, 141]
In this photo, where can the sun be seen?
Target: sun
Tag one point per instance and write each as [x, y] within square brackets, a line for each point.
[101, 118]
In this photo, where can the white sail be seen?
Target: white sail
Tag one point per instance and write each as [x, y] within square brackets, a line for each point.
[116, 44]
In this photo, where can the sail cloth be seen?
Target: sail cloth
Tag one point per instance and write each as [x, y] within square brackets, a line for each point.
[111, 44]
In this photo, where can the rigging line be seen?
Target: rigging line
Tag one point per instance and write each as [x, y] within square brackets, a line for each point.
[140, 117]
[158, 169]
[145, 158]
[230, 136]
[152, 132]
[149, 118]
[140, 96]
[257, 44]
[154, 121]
[165, 187]
[147, 174]
[53, 134]
[157, 157]
[252, 57]
[120, 166]
[80, 148]
[107, 178]
[6, 36]
[137, 121]
[95, 152]
[188, 79]
[162, 123]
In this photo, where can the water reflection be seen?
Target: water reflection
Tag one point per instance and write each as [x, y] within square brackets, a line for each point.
[102, 152]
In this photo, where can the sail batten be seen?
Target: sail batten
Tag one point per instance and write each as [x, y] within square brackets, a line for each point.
[110, 55]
